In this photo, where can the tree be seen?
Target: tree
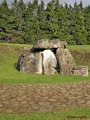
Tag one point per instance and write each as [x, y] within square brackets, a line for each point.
[4, 18]
[4, 4]
[26, 23]
[79, 31]
[18, 10]
[87, 22]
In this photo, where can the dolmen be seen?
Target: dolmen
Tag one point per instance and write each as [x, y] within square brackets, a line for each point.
[49, 57]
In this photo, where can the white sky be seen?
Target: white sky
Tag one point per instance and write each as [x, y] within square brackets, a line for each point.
[85, 2]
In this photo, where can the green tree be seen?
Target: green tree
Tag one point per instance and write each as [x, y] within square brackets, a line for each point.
[27, 23]
[18, 16]
[4, 18]
[79, 31]
[87, 22]
[32, 25]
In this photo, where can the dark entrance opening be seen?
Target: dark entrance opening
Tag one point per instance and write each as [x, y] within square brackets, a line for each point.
[54, 50]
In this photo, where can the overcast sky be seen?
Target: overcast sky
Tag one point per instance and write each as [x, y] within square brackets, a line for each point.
[85, 2]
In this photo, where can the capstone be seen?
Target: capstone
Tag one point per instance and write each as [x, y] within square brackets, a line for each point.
[48, 44]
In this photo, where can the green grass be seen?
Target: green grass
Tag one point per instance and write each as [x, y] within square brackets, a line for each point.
[9, 54]
[81, 53]
[80, 48]
[72, 114]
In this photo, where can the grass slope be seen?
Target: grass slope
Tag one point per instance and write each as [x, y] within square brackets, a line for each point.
[72, 114]
[9, 54]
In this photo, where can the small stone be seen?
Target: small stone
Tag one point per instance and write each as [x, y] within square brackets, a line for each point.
[88, 103]
[81, 71]
[9, 111]
[35, 107]
[1, 105]
[52, 100]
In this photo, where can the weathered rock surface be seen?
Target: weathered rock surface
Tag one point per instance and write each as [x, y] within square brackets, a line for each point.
[30, 61]
[49, 62]
[81, 71]
[48, 44]
[66, 61]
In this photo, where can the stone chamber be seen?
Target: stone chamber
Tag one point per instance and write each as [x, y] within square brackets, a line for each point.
[48, 57]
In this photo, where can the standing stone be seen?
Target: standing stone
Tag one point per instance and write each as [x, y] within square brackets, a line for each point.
[49, 62]
[65, 61]
[30, 62]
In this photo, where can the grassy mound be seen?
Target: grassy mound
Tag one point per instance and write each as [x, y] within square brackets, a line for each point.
[9, 54]
[81, 54]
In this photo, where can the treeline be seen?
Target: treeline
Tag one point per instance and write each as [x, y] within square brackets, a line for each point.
[27, 23]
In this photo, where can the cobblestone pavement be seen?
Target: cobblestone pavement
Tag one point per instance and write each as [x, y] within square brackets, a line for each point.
[25, 98]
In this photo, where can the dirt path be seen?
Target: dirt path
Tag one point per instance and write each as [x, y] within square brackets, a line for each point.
[24, 98]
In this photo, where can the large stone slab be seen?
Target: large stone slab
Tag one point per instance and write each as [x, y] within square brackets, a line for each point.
[30, 61]
[49, 62]
[65, 61]
[81, 71]
[48, 44]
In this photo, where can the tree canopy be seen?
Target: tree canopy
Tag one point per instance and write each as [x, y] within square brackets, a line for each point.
[27, 23]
